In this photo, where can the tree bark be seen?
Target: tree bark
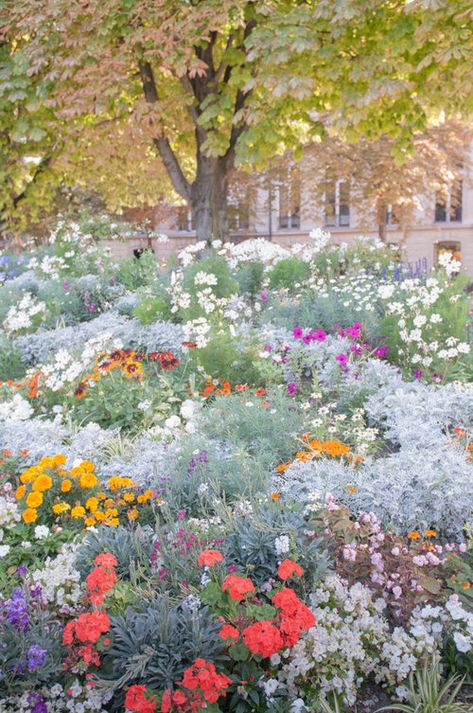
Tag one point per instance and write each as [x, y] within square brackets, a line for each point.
[209, 199]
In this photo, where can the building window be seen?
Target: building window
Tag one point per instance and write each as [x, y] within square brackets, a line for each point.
[290, 199]
[448, 246]
[185, 220]
[238, 213]
[337, 204]
[448, 204]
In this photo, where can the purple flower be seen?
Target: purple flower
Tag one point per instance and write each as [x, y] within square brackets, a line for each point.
[418, 374]
[264, 296]
[342, 359]
[91, 307]
[291, 389]
[307, 338]
[66, 285]
[268, 348]
[37, 703]
[17, 610]
[36, 657]
[297, 332]
[181, 515]
[21, 570]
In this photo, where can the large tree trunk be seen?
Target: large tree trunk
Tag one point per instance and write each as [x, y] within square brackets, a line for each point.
[209, 199]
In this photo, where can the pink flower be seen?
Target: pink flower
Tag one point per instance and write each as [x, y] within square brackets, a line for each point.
[297, 332]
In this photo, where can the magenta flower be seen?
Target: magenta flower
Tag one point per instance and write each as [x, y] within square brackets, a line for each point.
[297, 332]
[291, 389]
[342, 359]
[318, 335]
[264, 296]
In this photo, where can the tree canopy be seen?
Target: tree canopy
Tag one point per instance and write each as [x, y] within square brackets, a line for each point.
[141, 98]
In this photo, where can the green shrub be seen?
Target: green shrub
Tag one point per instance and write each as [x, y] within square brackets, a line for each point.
[288, 272]
[250, 277]
[222, 359]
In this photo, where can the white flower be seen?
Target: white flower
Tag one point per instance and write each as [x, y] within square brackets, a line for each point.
[462, 642]
[41, 531]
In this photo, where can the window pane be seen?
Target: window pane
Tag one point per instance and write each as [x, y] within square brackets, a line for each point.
[441, 206]
[456, 201]
[344, 207]
[330, 205]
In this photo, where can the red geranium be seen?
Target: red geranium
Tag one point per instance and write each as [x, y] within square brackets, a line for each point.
[237, 587]
[263, 638]
[288, 568]
[209, 558]
[106, 559]
[229, 633]
[137, 699]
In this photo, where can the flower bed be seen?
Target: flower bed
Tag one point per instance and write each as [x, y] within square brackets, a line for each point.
[225, 490]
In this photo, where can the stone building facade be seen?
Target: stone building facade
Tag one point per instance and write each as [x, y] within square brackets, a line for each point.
[442, 222]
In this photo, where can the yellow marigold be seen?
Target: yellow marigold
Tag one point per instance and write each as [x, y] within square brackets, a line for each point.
[92, 504]
[59, 459]
[46, 463]
[352, 489]
[76, 472]
[101, 495]
[87, 480]
[89, 521]
[66, 485]
[78, 511]
[34, 499]
[99, 515]
[87, 465]
[26, 477]
[114, 522]
[109, 503]
[144, 496]
[20, 492]
[413, 536]
[62, 472]
[42, 482]
[111, 512]
[129, 497]
[30, 515]
[430, 533]
[133, 514]
[59, 508]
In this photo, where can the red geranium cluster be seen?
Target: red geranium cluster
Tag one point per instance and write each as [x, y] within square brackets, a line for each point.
[138, 700]
[238, 587]
[102, 578]
[209, 558]
[267, 637]
[85, 631]
[204, 685]
[294, 617]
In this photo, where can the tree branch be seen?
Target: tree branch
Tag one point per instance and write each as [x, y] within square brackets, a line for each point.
[168, 157]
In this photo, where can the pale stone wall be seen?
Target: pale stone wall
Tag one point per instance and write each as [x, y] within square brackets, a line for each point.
[420, 242]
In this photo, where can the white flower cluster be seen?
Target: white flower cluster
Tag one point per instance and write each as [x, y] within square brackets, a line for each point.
[461, 626]
[16, 409]
[341, 651]
[9, 517]
[352, 640]
[77, 699]
[66, 366]
[50, 266]
[24, 315]
[59, 580]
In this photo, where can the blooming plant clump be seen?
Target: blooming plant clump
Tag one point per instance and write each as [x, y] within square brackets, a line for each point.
[240, 482]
